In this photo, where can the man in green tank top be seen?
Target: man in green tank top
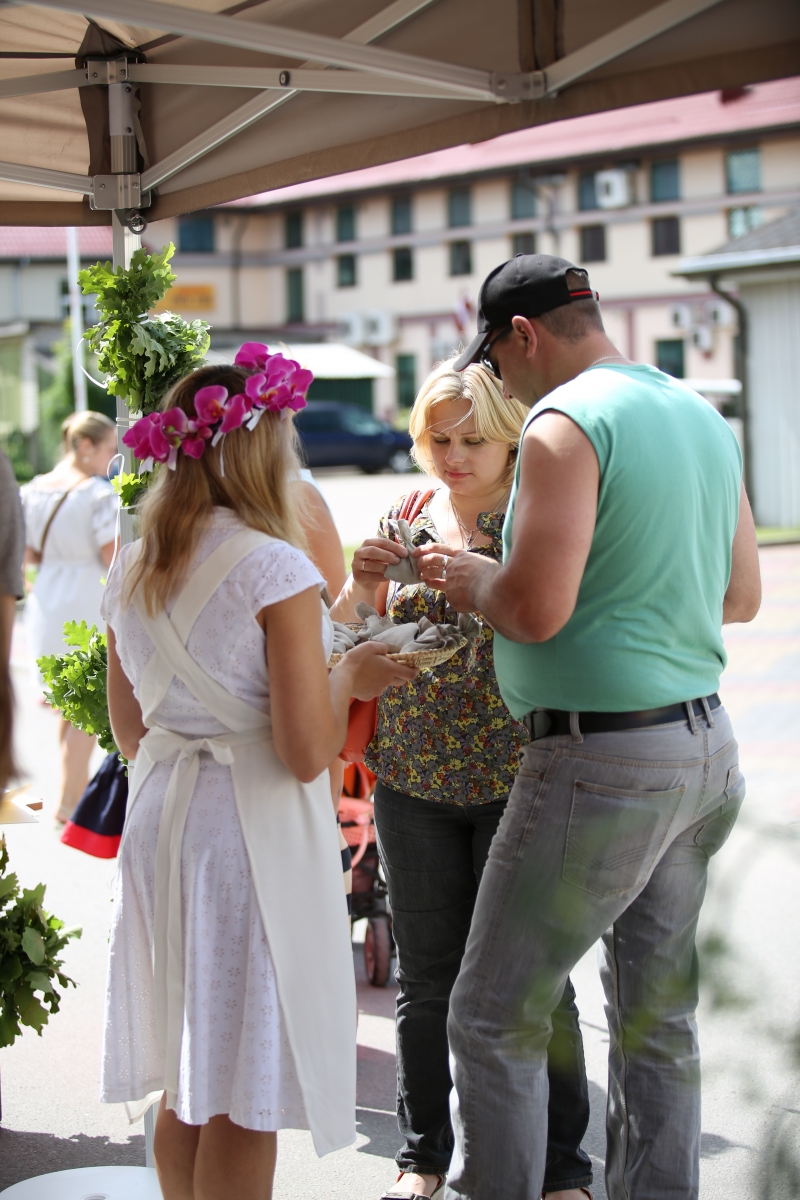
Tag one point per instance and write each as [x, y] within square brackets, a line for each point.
[629, 542]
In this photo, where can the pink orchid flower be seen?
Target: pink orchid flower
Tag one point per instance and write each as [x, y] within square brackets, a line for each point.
[137, 438]
[236, 410]
[252, 355]
[194, 445]
[209, 404]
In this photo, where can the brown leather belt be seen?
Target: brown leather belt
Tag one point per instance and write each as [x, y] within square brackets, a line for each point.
[549, 722]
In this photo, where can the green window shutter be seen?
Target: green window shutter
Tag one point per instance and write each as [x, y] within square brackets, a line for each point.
[406, 368]
[295, 305]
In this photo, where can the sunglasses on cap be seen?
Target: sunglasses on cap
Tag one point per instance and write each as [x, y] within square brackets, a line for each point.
[486, 361]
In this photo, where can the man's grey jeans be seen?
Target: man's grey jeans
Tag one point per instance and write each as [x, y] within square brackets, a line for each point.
[605, 836]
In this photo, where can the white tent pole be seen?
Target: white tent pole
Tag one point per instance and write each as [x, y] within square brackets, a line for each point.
[124, 243]
[619, 41]
[75, 320]
[352, 82]
[295, 43]
[259, 106]
[62, 181]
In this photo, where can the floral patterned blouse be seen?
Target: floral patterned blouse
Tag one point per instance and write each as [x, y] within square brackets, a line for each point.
[447, 736]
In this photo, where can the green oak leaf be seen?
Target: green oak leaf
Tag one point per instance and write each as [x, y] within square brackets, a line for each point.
[33, 945]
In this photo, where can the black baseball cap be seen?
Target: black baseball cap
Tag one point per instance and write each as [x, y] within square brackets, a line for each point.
[526, 286]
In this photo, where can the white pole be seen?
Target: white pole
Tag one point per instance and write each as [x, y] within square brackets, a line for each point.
[75, 320]
[124, 244]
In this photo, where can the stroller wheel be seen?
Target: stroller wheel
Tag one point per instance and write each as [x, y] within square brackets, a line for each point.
[378, 951]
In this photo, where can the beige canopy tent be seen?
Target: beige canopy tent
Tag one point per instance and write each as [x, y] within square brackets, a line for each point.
[144, 108]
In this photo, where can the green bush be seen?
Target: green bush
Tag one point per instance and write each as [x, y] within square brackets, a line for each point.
[31, 941]
[141, 354]
[76, 682]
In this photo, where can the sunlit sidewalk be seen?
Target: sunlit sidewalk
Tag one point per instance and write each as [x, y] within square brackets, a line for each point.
[750, 933]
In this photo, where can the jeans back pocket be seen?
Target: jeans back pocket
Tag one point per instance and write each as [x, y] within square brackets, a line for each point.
[615, 836]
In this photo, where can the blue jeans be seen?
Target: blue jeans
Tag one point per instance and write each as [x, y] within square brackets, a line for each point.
[433, 856]
[606, 836]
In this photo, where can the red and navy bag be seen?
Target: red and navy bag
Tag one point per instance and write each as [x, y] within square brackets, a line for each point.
[97, 822]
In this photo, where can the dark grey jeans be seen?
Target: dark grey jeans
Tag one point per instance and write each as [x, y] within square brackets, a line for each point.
[433, 856]
[607, 836]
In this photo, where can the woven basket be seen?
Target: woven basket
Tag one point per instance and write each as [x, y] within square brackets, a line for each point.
[423, 660]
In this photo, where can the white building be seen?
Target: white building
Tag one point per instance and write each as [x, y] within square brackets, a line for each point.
[763, 269]
[391, 258]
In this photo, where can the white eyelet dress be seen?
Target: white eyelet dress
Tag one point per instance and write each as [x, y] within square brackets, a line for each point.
[230, 974]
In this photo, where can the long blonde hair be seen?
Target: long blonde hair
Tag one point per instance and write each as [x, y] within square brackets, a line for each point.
[498, 418]
[249, 472]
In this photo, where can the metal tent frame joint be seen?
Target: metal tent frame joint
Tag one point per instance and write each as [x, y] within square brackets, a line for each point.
[118, 192]
[103, 71]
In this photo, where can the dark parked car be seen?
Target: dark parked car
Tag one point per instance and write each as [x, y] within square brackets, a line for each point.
[344, 435]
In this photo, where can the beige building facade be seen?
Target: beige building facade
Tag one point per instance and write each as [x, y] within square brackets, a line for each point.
[390, 259]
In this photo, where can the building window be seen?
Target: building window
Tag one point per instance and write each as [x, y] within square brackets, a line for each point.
[406, 375]
[743, 171]
[669, 357]
[345, 223]
[743, 220]
[295, 308]
[460, 258]
[293, 230]
[346, 270]
[403, 264]
[587, 191]
[523, 199]
[593, 243]
[459, 208]
[523, 243]
[196, 235]
[401, 214]
[664, 180]
[665, 236]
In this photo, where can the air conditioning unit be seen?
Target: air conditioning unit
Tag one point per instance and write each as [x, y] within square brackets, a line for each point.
[351, 329]
[614, 189]
[703, 338]
[719, 314]
[380, 327]
[681, 316]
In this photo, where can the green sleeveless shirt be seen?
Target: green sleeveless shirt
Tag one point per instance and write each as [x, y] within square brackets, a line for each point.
[647, 626]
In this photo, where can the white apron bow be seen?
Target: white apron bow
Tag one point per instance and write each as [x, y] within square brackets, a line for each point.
[159, 745]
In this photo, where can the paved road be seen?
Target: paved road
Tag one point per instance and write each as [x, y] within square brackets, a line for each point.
[750, 1019]
[358, 501]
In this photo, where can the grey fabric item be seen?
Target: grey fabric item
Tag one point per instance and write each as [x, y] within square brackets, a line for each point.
[411, 635]
[406, 570]
[12, 532]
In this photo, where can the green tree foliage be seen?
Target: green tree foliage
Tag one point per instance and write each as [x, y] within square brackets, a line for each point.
[57, 402]
[31, 941]
[76, 682]
[141, 354]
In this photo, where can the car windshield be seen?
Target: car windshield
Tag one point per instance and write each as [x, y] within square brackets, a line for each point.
[355, 420]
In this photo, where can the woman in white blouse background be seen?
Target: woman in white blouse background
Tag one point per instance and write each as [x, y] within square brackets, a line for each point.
[70, 523]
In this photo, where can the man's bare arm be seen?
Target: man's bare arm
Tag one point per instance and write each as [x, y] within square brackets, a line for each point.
[533, 595]
[743, 597]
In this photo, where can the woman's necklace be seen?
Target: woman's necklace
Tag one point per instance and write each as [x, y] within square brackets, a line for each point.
[469, 535]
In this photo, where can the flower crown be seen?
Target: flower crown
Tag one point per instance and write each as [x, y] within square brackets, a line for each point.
[279, 386]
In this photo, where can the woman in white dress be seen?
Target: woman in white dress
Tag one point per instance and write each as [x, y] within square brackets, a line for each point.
[230, 979]
[70, 522]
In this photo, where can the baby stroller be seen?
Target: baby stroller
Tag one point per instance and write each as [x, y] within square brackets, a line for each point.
[369, 897]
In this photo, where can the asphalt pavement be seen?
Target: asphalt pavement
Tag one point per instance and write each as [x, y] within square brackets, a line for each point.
[750, 934]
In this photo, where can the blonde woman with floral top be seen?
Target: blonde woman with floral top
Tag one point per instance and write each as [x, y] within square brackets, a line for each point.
[445, 754]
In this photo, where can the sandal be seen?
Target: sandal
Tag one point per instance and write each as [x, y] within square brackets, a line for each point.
[437, 1193]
